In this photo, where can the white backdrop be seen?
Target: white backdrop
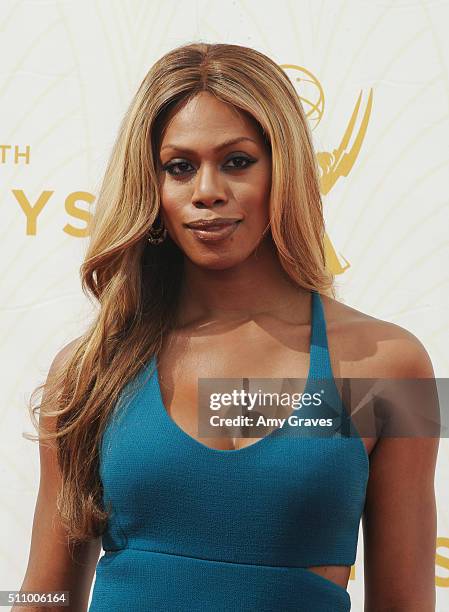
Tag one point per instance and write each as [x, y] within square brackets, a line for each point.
[68, 72]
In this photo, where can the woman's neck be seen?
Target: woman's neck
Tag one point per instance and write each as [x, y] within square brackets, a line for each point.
[257, 285]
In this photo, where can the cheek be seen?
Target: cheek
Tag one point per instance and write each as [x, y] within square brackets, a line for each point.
[255, 204]
[259, 217]
[171, 204]
[261, 187]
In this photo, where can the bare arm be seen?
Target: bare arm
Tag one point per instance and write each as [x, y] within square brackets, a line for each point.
[51, 565]
[400, 520]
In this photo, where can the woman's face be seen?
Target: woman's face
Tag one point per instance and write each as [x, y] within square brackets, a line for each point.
[204, 177]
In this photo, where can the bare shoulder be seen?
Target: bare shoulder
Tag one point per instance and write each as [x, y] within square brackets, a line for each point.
[363, 345]
[66, 352]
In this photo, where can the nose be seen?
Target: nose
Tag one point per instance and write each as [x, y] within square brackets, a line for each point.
[208, 187]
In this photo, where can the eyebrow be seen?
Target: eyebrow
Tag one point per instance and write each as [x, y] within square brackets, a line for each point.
[224, 144]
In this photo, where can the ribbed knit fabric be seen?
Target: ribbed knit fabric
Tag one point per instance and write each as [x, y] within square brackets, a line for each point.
[194, 528]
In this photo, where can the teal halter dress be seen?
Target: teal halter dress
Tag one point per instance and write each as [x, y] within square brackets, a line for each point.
[196, 529]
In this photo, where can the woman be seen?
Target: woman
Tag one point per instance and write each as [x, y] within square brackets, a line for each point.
[216, 135]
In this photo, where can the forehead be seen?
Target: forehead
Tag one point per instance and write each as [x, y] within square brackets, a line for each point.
[207, 117]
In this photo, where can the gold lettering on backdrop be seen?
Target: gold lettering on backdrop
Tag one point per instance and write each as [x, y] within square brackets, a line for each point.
[442, 561]
[78, 213]
[31, 212]
[4, 149]
[19, 155]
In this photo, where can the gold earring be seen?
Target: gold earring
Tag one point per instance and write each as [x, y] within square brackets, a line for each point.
[156, 235]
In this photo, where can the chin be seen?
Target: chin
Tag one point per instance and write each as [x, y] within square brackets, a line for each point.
[217, 261]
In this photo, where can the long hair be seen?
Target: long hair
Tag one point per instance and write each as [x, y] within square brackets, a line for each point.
[135, 284]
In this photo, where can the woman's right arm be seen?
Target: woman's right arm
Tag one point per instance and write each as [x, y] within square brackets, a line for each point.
[51, 566]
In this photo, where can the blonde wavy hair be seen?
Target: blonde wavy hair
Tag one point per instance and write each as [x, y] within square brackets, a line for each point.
[135, 284]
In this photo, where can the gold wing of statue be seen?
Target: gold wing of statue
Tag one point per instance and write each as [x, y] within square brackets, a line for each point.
[339, 163]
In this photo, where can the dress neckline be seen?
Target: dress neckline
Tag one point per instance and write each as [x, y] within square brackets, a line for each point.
[315, 369]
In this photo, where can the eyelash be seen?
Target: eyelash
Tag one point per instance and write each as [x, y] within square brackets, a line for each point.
[169, 167]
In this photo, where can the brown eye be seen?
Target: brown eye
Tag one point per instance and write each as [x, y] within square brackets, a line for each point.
[170, 168]
[240, 158]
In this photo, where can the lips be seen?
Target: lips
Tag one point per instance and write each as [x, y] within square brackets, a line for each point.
[211, 223]
[214, 232]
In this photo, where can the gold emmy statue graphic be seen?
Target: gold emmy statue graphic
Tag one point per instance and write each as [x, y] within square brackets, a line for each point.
[341, 160]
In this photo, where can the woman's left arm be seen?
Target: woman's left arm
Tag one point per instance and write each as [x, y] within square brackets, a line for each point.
[400, 515]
